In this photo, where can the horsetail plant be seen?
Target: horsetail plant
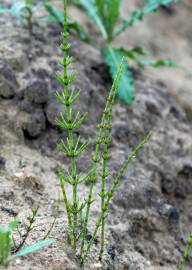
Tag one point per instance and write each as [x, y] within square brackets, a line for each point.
[78, 212]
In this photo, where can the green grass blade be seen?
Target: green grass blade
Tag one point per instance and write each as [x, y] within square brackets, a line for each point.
[33, 248]
[113, 59]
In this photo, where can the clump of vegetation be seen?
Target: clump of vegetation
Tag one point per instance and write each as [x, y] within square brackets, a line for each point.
[106, 15]
[10, 248]
[78, 210]
[186, 254]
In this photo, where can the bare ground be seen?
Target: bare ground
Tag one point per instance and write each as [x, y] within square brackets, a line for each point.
[150, 215]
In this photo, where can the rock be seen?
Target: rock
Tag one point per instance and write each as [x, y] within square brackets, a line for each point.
[111, 252]
[52, 111]
[28, 180]
[186, 172]
[35, 124]
[174, 215]
[153, 107]
[170, 212]
[37, 92]
[180, 192]
[8, 81]
[10, 211]
[2, 163]
[167, 184]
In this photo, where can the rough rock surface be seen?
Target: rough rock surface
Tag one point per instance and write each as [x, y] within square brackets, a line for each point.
[8, 81]
[150, 216]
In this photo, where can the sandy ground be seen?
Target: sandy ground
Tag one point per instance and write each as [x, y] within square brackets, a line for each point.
[150, 216]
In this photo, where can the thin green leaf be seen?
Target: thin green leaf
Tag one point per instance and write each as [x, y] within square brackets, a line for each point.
[138, 15]
[47, 19]
[57, 15]
[113, 59]
[135, 55]
[92, 11]
[33, 248]
[79, 30]
[109, 11]
[159, 63]
[139, 50]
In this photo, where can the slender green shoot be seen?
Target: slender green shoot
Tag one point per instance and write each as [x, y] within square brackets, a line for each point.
[186, 254]
[28, 228]
[110, 194]
[78, 212]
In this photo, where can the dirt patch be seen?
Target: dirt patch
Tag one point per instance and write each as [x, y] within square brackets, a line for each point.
[150, 215]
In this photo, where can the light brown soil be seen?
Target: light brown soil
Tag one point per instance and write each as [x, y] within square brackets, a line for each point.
[150, 216]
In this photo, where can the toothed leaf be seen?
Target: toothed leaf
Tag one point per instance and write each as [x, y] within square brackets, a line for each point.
[144, 61]
[159, 63]
[150, 7]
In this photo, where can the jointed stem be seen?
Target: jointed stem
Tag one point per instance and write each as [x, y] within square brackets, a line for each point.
[108, 107]
[111, 193]
[71, 140]
[102, 208]
[66, 204]
[72, 210]
[73, 148]
[29, 228]
[105, 157]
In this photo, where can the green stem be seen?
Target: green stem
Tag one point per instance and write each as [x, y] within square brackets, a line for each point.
[70, 132]
[66, 204]
[111, 193]
[105, 157]
[28, 229]
[102, 209]
[186, 254]
[106, 110]
[105, 173]
[75, 205]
